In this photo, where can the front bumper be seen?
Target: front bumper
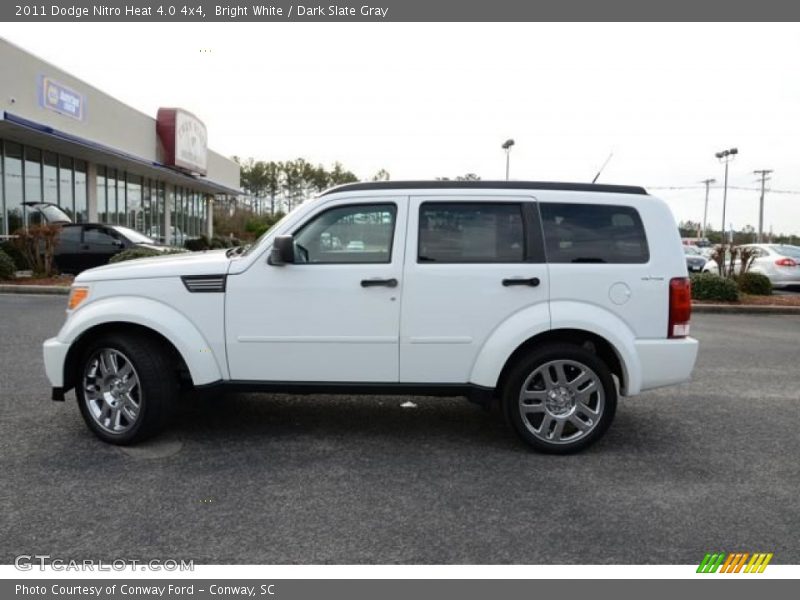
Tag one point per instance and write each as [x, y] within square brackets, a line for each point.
[55, 354]
[666, 362]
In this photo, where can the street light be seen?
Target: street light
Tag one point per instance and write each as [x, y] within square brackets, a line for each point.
[725, 156]
[507, 147]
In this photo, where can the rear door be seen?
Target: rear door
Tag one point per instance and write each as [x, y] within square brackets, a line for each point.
[471, 262]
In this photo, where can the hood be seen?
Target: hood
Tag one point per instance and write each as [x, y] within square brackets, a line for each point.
[212, 262]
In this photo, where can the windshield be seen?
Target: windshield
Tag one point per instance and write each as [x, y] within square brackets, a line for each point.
[786, 250]
[691, 250]
[134, 236]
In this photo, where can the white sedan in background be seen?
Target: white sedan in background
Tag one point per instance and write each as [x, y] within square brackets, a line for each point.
[779, 262]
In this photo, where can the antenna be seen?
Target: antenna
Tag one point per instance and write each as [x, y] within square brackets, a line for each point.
[596, 177]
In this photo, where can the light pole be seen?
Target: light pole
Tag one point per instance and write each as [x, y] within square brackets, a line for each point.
[708, 182]
[725, 156]
[507, 147]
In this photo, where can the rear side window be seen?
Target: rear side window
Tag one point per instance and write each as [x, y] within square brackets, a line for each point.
[593, 233]
[471, 232]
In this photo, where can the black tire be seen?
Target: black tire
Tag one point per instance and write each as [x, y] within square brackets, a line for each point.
[547, 358]
[157, 392]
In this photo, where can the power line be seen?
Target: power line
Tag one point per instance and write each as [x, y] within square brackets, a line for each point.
[717, 187]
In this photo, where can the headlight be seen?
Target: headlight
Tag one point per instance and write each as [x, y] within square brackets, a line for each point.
[77, 294]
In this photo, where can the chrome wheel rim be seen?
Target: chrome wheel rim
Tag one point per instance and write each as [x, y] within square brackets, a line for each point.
[111, 391]
[561, 401]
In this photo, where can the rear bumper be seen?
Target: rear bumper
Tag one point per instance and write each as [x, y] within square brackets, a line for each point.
[55, 353]
[666, 362]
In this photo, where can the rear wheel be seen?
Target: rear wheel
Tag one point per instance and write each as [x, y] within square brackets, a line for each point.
[127, 388]
[560, 398]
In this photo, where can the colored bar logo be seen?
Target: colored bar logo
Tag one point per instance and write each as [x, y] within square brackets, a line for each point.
[734, 562]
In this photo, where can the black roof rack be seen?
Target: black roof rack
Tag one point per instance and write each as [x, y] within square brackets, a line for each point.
[485, 185]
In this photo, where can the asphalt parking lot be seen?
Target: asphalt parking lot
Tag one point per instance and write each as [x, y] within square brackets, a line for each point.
[711, 465]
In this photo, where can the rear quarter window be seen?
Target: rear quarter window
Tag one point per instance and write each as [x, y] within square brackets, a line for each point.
[593, 233]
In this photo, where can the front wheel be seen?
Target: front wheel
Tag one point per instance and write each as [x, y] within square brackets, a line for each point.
[127, 388]
[560, 398]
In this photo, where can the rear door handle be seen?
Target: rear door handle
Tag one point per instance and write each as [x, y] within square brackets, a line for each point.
[379, 282]
[532, 282]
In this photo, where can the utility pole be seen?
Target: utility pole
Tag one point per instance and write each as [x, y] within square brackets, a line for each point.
[707, 183]
[764, 179]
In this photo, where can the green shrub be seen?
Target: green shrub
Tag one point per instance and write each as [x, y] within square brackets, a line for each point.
[7, 266]
[708, 286]
[755, 284]
[134, 253]
[197, 244]
[18, 257]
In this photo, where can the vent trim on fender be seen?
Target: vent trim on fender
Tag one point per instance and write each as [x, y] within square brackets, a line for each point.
[204, 284]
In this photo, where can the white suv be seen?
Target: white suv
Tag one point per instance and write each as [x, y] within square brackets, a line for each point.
[552, 298]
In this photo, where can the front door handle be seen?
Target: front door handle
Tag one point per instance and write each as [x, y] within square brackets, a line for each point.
[532, 282]
[379, 282]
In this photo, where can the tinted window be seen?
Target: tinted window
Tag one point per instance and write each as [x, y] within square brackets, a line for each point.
[97, 236]
[70, 234]
[471, 232]
[348, 234]
[593, 233]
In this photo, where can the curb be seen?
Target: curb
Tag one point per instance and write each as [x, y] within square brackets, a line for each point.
[745, 309]
[52, 290]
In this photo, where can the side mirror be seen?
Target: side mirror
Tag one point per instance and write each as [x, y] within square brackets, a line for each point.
[282, 251]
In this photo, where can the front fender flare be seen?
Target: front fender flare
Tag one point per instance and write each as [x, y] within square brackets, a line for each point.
[203, 366]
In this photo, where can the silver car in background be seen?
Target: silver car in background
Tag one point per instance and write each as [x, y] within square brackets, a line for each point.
[779, 262]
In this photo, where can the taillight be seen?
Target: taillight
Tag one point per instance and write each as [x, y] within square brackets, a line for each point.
[680, 307]
[786, 262]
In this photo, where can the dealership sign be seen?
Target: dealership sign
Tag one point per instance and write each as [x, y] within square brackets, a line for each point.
[61, 99]
[184, 139]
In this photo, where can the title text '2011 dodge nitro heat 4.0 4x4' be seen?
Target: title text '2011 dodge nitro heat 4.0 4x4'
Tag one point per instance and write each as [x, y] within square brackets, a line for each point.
[552, 298]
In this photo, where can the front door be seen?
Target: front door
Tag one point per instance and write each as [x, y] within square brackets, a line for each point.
[334, 315]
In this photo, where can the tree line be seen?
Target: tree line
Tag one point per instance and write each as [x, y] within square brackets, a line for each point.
[279, 186]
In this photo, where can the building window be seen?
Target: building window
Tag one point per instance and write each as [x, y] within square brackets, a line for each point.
[159, 211]
[2, 194]
[13, 186]
[33, 175]
[65, 186]
[134, 202]
[81, 198]
[50, 177]
[102, 195]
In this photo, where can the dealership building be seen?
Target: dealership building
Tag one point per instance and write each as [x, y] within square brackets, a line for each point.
[65, 142]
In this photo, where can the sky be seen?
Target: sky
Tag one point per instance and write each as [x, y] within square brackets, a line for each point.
[438, 100]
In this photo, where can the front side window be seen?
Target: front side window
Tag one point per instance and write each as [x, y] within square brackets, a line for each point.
[348, 234]
[100, 237]
[471, 232]
[593, 233]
